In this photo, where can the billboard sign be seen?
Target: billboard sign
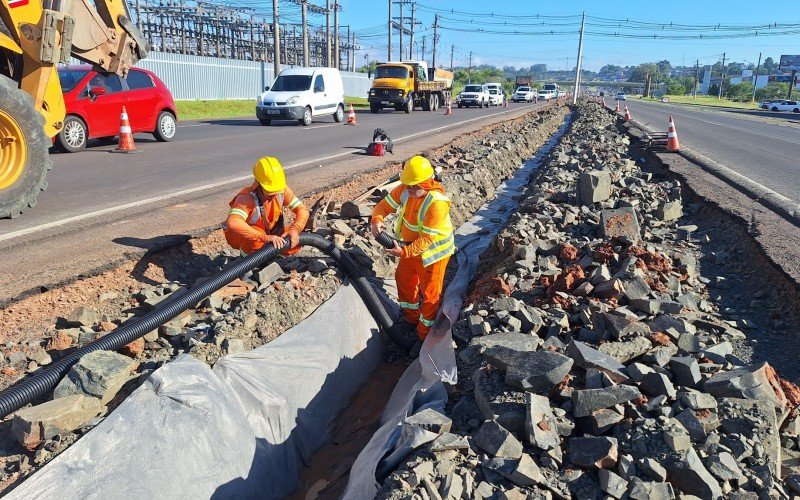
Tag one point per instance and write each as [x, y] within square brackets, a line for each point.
[790, 63]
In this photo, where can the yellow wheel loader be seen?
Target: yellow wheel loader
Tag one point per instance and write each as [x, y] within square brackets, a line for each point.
[35, 36]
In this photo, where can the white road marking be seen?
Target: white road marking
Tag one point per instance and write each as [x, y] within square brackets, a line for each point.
[314, 127]
[183, 192]
[194, 125]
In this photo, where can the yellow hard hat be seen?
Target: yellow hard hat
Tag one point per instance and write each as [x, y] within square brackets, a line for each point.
[269, 173]
[415, 170]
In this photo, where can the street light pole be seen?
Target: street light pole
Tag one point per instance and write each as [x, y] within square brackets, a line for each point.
[755, 78]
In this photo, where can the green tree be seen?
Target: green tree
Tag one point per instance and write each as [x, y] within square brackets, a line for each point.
[741, 92]
[368, 68]
[775, 90]
[639, 74]
[675, 86]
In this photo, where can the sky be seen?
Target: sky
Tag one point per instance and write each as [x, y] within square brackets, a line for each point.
[559, 51]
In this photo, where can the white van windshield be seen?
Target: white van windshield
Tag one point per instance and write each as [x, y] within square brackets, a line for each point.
[292, 83]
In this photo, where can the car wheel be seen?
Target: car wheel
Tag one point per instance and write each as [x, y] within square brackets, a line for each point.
[374, 107]
[774, 108]
[166, 127]
[73, 136]
[264, 121]
[306, 119]
[436, 102]
[339, 115]
[409, 106]
[796, 110]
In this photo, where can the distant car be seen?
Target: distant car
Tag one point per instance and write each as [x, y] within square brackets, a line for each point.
[524, 94]
[768, 104]
[94, 105]
[785, 105]
[620, 96]
[495, 97]
[546, 95]
[473, 95]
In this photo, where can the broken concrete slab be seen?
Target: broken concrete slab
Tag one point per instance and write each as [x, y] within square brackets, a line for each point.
[620, 222]
[540, 422]
[587, 357]
[586, 401]
[538, 371]
[32, 425]
[593, 186]
[430, 420]
[497, 441]
[590, 452]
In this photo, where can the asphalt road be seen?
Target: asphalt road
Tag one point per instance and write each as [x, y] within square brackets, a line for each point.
[93, 182]
[765, 151]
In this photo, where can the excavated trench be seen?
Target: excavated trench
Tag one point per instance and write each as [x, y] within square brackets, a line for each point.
[708, 295]
[326, 474]
[480, 169]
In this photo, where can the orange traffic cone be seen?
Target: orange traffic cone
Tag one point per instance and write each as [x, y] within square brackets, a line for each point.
[449, 110]
[351, 116]
[672, 137]
[616, 109]
[628, 116]
[126, 144]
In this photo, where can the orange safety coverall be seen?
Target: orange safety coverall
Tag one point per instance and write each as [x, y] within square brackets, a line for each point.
[419, 288]
[246, 228]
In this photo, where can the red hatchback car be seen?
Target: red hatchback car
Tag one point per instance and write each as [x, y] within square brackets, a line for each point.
[94, 103]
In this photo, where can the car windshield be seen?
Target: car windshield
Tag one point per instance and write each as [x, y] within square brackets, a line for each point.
[391, 72]
[493, 91]
[523, 89]
[292, 83]
[69, 78]
[472, 88]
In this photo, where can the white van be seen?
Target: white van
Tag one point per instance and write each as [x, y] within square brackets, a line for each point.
[301, 94]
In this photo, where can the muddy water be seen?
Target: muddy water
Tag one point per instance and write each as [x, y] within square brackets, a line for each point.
[329, 468]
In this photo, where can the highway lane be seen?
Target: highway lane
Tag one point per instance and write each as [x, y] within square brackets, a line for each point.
[205, 153]
[766, 152]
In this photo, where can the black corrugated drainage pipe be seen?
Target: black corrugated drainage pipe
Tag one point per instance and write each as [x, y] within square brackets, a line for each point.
[33, 387]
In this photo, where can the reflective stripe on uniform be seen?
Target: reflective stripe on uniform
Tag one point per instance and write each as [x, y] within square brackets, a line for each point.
[439, 251]
[408, 305]
[427, 322]
[295, 203]
[391, 202]
[443, 241]
[239, 212]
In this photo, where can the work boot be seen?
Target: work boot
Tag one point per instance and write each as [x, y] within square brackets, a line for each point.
[413, 353]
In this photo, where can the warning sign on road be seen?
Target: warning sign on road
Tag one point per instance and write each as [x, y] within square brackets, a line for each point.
[790, 63]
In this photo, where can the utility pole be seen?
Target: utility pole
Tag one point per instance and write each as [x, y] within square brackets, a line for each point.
[435, 39]
[580, 60]
[452, 51]
[352, 51]
[423, 49]
[411, 36]
[336, 33]
[304, 5]
[791, 84]
[469, 70]
[328, 33]
[722, 78]
[389, 57]
[696, 69]
[276, 41]
[755, 78]
[402, 26]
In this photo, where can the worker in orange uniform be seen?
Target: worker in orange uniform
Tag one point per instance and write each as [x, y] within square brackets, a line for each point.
[256, 214]
[425, 231]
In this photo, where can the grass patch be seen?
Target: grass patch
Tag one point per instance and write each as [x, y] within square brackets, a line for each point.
[234, 108]
[707, 100]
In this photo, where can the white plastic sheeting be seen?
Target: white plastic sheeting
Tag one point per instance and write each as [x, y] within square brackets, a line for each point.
[422, 384]
[241, 430]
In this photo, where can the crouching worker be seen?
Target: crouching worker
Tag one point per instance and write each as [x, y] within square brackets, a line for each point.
[256, 214]
[425, 231]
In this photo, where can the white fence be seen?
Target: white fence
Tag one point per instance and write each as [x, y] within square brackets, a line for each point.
[200, 77]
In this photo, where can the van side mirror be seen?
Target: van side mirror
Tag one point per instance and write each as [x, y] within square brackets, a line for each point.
[266, 88]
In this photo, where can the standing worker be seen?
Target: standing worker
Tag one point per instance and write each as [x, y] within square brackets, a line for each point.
[425, 231]
[256, 214]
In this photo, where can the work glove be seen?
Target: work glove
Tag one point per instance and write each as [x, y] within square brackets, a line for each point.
[377, 226]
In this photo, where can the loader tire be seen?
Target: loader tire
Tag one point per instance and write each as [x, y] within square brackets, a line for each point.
[24, 160]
